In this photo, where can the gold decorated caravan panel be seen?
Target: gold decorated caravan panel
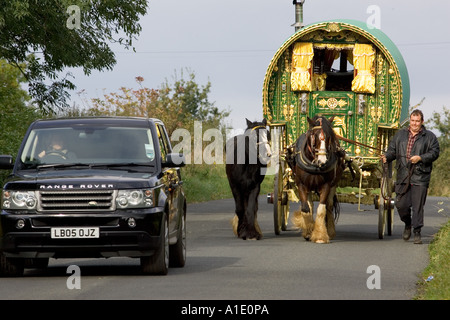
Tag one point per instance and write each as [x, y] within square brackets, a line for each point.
[296, 86]
[341, 105]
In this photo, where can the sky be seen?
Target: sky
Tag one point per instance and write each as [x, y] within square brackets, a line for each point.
[231, 43]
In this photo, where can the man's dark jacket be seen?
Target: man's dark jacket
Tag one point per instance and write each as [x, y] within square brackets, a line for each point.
[426, 146]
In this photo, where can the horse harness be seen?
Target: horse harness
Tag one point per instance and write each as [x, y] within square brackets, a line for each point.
[313, 166]
[257, 138]
[320, 151]
[259, 127]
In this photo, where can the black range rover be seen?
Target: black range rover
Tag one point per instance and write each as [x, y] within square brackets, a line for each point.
[93, 187]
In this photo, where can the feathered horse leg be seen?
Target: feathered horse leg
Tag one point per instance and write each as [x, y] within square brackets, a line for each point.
[235, 222]
[304, 221]
[303, 218]
[320, 234]
[252, 231]
[244, 223]
[239, 212]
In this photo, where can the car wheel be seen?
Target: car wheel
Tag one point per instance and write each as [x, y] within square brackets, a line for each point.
[177, 251]
[11, 267]
[158, 263]
[38, 263]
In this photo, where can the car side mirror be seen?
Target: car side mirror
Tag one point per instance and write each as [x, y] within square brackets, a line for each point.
[174, 160]
[6, 162]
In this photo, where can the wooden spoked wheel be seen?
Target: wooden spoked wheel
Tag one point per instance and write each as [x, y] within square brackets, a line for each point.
[386, 205]
[280, 201]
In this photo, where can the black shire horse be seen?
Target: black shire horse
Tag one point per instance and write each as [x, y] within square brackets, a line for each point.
[247, 156]
[318, 163]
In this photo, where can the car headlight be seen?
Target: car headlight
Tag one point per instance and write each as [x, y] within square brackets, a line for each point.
[135, 198]
[19, 200]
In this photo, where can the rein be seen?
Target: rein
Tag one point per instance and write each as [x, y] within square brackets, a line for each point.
[407, 179]
[359, 144]
[385, 170]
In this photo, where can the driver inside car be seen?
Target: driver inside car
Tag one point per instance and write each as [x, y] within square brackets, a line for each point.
[56, 149]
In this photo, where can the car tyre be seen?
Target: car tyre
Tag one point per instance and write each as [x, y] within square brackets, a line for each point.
[11, 267]
[177, 251]
[38, 263]
[158, 263]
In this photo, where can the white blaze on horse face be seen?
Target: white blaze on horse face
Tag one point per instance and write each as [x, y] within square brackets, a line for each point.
[322, 154]
[264, 147]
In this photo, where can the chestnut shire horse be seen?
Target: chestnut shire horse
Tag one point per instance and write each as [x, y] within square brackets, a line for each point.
[247, 156]
[317, 162]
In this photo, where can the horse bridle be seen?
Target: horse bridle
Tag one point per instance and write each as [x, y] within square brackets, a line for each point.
[257, 138]
[317, 152]
[260, 127]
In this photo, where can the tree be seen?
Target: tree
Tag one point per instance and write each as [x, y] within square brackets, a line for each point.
[15, 114]
[440, 176]
[177, 105]
[441, 122]
[193, 101]
[193, 98]
[51, 35]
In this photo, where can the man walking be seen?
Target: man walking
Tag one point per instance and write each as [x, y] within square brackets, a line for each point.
[415, 148]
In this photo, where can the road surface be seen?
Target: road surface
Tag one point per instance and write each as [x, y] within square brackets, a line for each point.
[355, 265]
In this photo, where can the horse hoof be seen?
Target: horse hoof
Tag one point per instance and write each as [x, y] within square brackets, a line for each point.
[245, 238]
[257, 237]
[250, 236]
[321, 241]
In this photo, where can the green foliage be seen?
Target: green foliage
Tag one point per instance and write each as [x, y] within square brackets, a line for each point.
[441, 122]
[205, 182]
[209, 182]
[42, 33]
[15, 114]
[177, 104]
[193, 99]
[437, 287]
[440, 176]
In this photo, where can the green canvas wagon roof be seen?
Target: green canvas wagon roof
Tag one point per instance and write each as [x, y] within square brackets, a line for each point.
[378, 38]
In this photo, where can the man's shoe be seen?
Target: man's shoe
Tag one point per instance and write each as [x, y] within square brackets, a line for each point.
[417, 237]
[407, 233]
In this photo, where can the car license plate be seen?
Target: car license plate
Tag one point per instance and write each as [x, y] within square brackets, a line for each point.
[75, 232]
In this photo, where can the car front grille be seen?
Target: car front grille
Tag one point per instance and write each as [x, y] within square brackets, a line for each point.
[79, 200]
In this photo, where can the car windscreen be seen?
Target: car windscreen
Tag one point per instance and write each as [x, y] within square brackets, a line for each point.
[103, 145]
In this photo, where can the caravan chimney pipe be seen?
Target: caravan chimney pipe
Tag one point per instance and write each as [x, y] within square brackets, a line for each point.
[298, 14]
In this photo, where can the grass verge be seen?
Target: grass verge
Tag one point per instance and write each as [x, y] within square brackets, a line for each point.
[204, 182]
[435, 279]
